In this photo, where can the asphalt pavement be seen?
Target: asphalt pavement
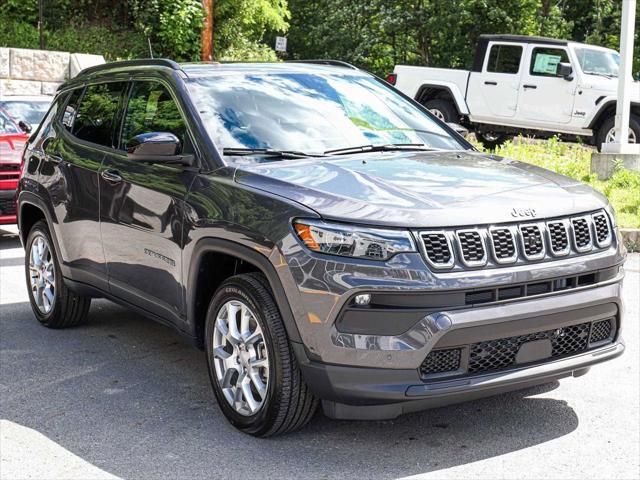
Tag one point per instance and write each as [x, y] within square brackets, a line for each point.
[123, 397]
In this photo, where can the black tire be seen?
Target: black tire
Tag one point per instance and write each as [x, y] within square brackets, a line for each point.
[69, 309]
[492, 141]
[446, 108]
[289, 404]
[609, 123]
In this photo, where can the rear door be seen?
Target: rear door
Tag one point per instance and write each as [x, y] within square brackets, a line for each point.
[545, 98]
[142, 204]
[493, 94]
[69, 173]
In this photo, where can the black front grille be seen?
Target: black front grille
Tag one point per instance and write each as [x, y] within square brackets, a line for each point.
[503, 245]
[581, 232]
[602, 228]
[9, 167]
[558, 236]
[437, 248]
[7, 206]
[471, 246]
[531, 240]
[501, 353]
[602, 330]
[440, 361]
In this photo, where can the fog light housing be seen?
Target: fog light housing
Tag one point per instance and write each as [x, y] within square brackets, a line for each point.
[362, 299]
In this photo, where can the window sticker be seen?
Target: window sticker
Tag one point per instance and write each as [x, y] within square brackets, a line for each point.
[546, 64]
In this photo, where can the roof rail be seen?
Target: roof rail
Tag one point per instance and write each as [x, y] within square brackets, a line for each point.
[150, 62]
[335, 63]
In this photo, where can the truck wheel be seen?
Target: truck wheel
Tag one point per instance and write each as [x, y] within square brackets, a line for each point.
[606, 132]
[53, 304]
[252, 367]
[443, 110]
[490, 141]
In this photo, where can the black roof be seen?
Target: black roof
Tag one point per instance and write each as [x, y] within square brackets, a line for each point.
[522, 39]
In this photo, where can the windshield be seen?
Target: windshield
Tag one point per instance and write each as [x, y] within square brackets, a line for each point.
[7, 125]
[30, 111]
[598, 62]
[311, 113]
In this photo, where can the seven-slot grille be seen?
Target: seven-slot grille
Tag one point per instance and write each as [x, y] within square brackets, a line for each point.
[501, 353]
[507, 243]
[7, 206]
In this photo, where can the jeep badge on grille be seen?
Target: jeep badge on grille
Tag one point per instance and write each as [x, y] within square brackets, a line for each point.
[523, 212]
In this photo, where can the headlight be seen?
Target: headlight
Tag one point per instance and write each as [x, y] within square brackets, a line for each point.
[348, 241]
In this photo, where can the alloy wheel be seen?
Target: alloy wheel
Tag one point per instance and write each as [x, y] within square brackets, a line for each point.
[42, 275]
[611, 136]
[437, 113]
[240, 358]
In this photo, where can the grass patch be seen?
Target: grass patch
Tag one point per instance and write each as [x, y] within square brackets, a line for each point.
[574, 160]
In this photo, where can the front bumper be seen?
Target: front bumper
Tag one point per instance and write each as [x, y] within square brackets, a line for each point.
[360, 393]
[7, 206]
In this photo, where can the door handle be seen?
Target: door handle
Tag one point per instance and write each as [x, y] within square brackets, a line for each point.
[490, 83]
[111, 176]
[529, 86]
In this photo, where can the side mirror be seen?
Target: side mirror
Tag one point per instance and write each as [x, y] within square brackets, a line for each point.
[157, 147]
[565, 70]
[459, 129]
[25, 126]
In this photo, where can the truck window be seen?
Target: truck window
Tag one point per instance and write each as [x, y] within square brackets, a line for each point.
[504, 59]
[544, 61]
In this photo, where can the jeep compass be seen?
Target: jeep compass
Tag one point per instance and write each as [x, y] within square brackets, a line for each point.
[324, 238]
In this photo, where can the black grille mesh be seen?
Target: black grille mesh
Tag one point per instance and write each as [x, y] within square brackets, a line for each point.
[602, 227]
[501, 353]
[437, 248]
[532, 240]
[439, 361]
[559, 237]
[581, 232]
[471, 246]
[503, 243]
[7, 206]
[601, 330]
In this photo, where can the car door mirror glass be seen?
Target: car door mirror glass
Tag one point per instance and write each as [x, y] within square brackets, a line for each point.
[25, 126]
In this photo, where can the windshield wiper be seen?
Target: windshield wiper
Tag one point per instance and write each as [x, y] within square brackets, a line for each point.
[600, 74]
[269, 152]
[392, 147]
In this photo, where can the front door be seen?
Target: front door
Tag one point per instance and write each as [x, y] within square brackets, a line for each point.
[546, 98]
[142, 205]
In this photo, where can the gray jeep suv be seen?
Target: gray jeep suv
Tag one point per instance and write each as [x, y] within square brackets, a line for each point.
[320, 235]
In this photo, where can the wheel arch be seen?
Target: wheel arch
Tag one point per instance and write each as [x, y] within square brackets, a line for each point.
[230, 258]
[607, 109]
[445, 91]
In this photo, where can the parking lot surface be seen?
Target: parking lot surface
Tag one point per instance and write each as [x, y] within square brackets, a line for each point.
[123, 397]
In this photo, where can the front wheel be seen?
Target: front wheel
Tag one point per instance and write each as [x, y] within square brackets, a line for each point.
[444, 110]
[606, 133]
[252, 367]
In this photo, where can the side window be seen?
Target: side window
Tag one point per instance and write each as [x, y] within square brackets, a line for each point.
[151, 109]
[96, 114]
[504, 59]
[69, 115]
[544, 61]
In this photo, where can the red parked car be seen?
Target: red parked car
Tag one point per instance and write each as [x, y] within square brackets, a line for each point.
[12, 141]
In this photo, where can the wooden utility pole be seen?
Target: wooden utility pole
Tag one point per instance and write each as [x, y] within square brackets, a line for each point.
[207, 31]
[41, 24]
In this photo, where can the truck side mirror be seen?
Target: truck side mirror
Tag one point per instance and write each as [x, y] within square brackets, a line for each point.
[565, 70]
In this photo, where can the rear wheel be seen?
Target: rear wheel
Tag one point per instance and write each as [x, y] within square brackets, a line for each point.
[53, 304]
[443, 110]
[252, 367]
[606, 132]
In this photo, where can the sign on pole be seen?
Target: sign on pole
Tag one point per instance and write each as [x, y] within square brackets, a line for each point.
[281, 44]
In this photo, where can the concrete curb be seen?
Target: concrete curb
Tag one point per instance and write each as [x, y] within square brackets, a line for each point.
[631, 238]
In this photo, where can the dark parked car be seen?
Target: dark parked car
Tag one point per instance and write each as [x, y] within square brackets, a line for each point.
[320, 235]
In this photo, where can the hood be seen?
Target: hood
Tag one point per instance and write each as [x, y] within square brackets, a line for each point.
[422, 189]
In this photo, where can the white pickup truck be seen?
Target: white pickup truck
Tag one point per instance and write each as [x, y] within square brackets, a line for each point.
[529, 85]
